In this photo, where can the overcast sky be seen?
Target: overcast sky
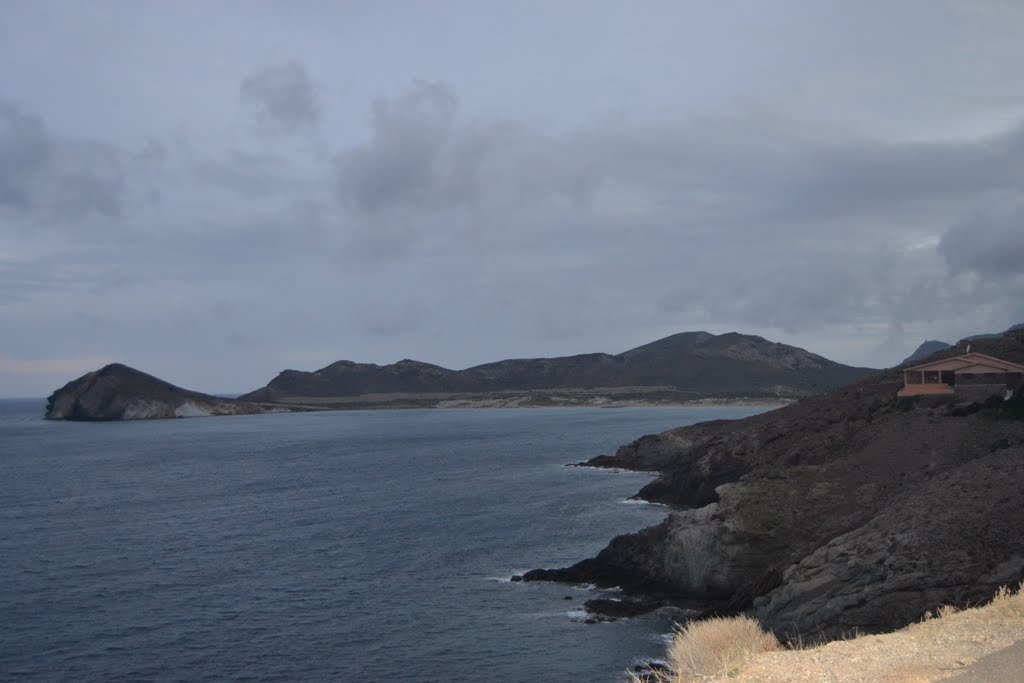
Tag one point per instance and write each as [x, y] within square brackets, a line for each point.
[215, 191]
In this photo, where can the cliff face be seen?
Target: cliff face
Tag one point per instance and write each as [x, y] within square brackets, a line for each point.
[118, 392]
[848, 510]
[696, 362]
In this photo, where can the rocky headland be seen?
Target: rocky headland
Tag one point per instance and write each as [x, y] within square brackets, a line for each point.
[118, 392]
[848, 511]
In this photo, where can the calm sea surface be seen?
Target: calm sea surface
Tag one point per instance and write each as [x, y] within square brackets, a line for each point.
[351, 546]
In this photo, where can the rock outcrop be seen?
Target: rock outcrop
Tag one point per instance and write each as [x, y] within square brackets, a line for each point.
[849, 510]
[118, 392]
[690, 365]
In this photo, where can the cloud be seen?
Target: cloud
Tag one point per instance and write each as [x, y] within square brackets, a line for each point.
[25, 153]
[153, 152]
[745, 220]
[250, 176]
[283, 98]
[55, 177]
[411, 159]
[989, 244]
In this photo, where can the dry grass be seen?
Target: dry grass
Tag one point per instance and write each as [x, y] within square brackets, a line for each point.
[943, 643]
[709, 649]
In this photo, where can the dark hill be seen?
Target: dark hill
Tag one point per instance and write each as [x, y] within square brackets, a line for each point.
[118, 392]
[700, 363]
[850, 510]
[925, 350]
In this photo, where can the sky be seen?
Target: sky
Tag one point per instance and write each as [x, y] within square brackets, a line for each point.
[213, 192]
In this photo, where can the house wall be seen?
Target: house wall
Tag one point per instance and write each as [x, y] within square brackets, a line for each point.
[979, 392]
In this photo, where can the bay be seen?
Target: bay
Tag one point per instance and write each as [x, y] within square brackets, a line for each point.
[343, 546]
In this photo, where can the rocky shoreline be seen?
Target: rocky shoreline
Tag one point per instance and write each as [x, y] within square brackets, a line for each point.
[850, 510]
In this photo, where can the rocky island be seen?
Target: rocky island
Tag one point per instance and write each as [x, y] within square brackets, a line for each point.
[683, 368]
[849, 511]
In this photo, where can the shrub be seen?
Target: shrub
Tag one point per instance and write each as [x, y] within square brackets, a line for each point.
[716, 647]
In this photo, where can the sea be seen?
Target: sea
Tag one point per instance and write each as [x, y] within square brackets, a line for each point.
[334, 546]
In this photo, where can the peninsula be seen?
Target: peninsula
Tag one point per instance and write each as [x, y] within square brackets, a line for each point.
[690, 367]
[118, 392]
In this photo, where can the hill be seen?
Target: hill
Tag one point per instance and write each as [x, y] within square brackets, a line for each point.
[678, 369]
[693, 364]
[926, 350]
[118, 392]
[932, 346]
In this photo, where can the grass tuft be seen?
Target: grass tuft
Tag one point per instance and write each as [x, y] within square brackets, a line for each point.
[714, 648]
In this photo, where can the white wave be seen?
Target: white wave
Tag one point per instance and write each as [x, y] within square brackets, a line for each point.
[507, 578]
[639, 501]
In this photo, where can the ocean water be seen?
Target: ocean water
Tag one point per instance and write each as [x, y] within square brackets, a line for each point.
[349, 546]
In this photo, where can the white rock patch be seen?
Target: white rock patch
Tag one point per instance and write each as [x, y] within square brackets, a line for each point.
[190, 409]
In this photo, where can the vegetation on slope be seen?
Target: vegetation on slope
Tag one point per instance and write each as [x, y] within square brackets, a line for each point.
[946, 641]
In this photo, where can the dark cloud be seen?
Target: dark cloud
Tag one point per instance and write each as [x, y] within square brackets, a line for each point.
[412, 159]
[153, 152]
[744, 220]
[55, 177]
[989, 244]
[283, 97]
[24, 155]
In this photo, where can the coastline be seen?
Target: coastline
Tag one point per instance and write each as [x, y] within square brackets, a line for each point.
[529, 399]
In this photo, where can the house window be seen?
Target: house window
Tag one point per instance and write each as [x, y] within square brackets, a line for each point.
[931, 376]
[912, 377]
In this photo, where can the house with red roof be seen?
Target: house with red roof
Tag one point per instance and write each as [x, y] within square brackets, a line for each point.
[972, 376]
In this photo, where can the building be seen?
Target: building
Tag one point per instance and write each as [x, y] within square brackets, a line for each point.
[971, 377]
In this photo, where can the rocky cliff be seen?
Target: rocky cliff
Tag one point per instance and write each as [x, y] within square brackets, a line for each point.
[697, 363]
[848, 510]
[118, 392]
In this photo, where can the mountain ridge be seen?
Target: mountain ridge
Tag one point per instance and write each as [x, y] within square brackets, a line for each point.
[678, 369]
[698, 362]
